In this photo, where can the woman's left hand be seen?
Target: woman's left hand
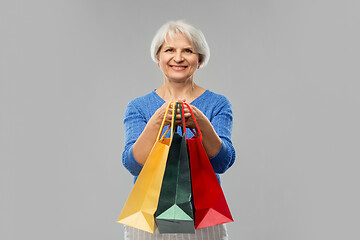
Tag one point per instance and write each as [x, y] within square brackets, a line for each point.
[189, 120]
[210, 140]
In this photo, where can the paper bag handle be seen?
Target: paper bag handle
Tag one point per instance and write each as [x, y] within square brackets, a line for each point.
[163, 122]
[183, 126]
[198, 132]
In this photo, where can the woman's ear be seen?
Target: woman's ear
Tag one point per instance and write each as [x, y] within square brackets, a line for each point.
[200, 61]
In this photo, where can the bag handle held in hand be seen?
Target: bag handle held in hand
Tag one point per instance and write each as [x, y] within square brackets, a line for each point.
[183, 126]
[198, 132]
[172, 126]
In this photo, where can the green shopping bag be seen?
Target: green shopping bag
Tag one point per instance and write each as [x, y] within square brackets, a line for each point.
[174, 213]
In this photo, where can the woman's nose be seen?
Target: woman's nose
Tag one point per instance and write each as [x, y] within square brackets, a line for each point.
[178, 57]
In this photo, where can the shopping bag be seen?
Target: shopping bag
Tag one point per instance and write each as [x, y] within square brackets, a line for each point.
[174, 213]
[209, 201]
[140, 207]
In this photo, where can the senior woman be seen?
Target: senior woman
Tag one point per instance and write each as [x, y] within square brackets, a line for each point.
[179, 49]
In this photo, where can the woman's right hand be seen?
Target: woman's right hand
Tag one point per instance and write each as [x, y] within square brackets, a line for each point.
[143, 145]
[146, 140]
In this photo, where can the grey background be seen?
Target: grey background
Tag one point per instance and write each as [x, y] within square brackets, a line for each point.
[290, 69]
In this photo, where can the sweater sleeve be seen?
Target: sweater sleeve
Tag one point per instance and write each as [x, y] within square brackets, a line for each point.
[222, 122]
[134, 124]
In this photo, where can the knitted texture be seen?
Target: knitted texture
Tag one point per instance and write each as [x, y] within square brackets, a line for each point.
[215, 107]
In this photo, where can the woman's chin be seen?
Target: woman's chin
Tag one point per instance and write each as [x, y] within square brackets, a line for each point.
[178, 79]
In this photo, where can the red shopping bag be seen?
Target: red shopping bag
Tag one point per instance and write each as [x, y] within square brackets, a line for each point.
[209, 201]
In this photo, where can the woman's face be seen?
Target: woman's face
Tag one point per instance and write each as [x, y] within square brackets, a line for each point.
[177, 58]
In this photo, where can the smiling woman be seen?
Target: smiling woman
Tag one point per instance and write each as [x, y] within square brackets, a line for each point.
[177, 59]
[179, 49]
[193, 35]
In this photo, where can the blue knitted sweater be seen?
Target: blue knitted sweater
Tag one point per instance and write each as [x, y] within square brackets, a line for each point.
[215, 107]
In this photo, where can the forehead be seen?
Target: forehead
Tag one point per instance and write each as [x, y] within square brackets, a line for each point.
[177, 39]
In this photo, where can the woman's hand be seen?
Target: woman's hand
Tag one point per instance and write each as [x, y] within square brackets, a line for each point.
[146, 140]
[211, 141]
[189, 120]
[158, 116]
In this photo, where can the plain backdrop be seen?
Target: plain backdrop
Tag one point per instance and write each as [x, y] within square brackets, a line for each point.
[290, 69]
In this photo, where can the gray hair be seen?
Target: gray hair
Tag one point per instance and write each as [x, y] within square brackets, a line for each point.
[195, 36]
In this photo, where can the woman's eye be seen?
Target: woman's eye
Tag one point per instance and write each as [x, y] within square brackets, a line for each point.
[188, 51]
[168, 50]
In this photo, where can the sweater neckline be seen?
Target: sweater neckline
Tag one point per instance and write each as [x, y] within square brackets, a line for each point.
[194, 101]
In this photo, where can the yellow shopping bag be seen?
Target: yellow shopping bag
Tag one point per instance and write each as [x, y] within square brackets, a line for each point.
[142, 202]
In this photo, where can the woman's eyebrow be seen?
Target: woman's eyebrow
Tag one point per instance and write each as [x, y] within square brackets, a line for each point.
[169, 46]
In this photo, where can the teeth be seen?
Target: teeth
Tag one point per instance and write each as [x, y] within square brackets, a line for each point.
[178, 67]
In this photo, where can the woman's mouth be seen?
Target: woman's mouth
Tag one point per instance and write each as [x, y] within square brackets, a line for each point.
[178, 68]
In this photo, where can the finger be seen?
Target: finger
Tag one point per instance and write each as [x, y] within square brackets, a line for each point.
[179, 121]
[186, 110]
[178, 117]
[169, 117]
[187, 115]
